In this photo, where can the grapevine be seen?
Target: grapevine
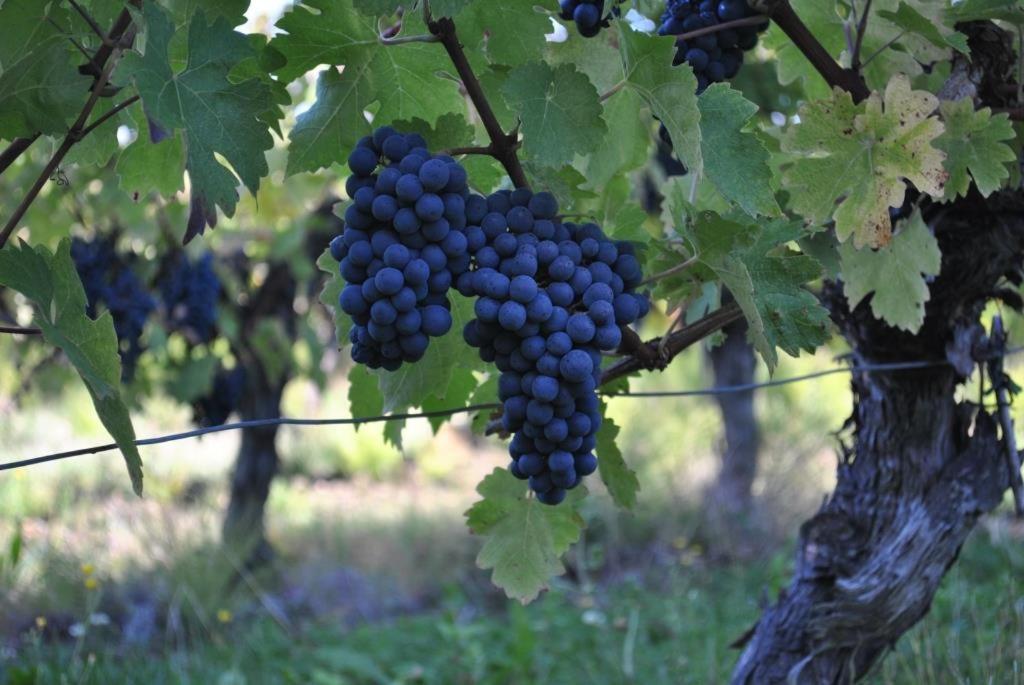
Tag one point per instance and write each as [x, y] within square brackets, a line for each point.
[588, 15]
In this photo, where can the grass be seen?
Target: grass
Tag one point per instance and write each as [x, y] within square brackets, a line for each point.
[673, 626]
[375, 581]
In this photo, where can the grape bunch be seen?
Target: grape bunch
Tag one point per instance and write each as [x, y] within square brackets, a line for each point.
[189, 291]
[550, 298]
[715, 56]
[403, 246]
[587, 14]
[215, 408]
[108, 280]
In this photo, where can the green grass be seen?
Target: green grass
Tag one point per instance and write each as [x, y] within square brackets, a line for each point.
[673, 626]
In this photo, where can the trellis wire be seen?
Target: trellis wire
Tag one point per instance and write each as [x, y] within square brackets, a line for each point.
[286, 421]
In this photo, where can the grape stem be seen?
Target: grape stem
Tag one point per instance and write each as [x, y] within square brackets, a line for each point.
[613, 90]
[725, 25]
[14, 150]
[644, 355]
[681, 266]
[862, 27]
[425, 38]
[503, 145]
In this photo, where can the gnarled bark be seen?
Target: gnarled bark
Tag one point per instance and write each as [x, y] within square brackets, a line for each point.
[920, 470]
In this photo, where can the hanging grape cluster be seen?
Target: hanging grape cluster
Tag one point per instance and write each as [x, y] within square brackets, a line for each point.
[588, 15]
[715, 56]
[189, 291]
[550, 296]
[109, 281]
[402, 248]
[214, 408]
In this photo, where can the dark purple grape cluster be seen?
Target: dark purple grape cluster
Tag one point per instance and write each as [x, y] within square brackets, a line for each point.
[109, 281]
[403, 246]
[215, 408]
[189, 291]
[550, 298]
[588, 15]
[715, 56]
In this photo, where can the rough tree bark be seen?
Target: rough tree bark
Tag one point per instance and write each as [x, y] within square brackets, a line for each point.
[921, 467]
[919, 472]
[244, 531]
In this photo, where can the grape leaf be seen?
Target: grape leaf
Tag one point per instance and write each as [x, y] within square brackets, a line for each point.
[460, 387]
[620, 480]
[49, 281]
[525, 539]
[451, 130]
[364, 398]
[40, 88]
[559, 110]
[973, 10]
[894, 273]
[909, 19]
[735, 161]
[508, 32]
[974, 142]
[215, 115]
[669, 91]
[859, 156]
[563, 182]
[628, 148]
[766, 278]
[377, 8]
[327, 131]
[447, 8]
[145, 166]
[330, 294]
[412, 384]
[486, 393]
[402, 81]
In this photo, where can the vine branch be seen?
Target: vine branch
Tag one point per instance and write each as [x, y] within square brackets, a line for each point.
[782, 13]
[106, 56]
[862, 27]
[14, 150]
[503, 145]
[20, 330]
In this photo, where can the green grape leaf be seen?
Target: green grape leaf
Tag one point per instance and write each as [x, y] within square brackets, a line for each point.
[669, 91]
[627, 224]
[620, 480]
[854, 160]
[974, 142]
[485, 393]
[451, 130]
[894, 273]
[460, 388]
[40, 87]
[974, 10]
[400, 82]
[412, 384]
[330, 294]
[628, 148]
[447, 8]
[565, 183]
[735, 161]
[193, 379]
[559, 110]
[364, 398]
[767, 280]
[377, 8]
[324, 133]
[525, 539]
[49, 281]
[509, 32]
[909, 19]
[146, 166]
[215, 116]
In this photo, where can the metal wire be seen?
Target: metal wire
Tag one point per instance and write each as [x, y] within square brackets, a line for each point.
[286, 421]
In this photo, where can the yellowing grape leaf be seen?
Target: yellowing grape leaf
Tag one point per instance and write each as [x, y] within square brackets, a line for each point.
[525, 539]
[853, 160]
[894, 273]
[973, 142]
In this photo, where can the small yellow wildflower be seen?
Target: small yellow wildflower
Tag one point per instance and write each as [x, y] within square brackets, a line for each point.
[225, 616]
[91, 583]
[88, 569]
[41, 622]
